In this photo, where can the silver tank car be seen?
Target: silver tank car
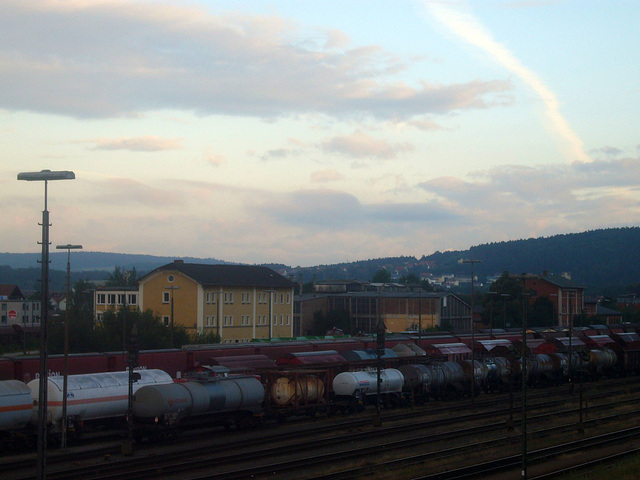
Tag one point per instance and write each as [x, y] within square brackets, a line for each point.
[94, 396]
[16, 405]
[601, 361]
[365, 382]
[206, 394]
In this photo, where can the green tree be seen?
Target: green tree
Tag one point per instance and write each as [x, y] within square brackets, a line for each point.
[206, 338]
[381, 276]
[322, 322]
[541, 313]
[504, 302]
[82, 335]
[122, 278]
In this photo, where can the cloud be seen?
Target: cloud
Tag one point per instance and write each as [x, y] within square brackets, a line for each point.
[316, 226]
[363, 145]
[464, 25]
[148, 143]
[325, 176]
[607, 151]
[118, 58]
[214, 159]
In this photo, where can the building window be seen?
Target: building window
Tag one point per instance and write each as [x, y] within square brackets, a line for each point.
[226, 320]
[101, 298]
[288, 320]
[133, 299]
[288, 298]
[121, 298]
[111, 298]
[282, 298]
[213, 320]
[228, 297]
[165, 297]
[165, 320]
[171, 278]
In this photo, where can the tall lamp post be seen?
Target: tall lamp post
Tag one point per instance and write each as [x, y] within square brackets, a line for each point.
[172, 288]
[44, 176]
[473, 343]
[68, 247]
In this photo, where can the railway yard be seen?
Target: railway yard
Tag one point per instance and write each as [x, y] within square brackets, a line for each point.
[442, 439]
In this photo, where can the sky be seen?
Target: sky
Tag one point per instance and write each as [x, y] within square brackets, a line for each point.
[307, 133]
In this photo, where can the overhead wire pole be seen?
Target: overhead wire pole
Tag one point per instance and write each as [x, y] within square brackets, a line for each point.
[473, 343]
[44, 176]
[68, 247]
[172, 288]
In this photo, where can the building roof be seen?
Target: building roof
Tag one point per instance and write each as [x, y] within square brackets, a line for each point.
[10, 292]
[557, 280]
[230, 275]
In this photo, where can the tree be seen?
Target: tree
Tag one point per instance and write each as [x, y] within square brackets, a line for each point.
[113, 332]
[381, 276]
[206, 338]
[122, 278]
[541, 313]
[322, 322]
[82, 335]
[504, 301]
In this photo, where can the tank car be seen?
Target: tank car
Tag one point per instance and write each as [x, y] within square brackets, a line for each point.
[16, 405]
[357, 387]
[211, 393]
[92, 398]
[498, 374]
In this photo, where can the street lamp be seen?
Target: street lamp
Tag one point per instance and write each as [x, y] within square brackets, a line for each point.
[68, 247]
[270, 292]
[44, 176]
[473, 343]
[172, 288]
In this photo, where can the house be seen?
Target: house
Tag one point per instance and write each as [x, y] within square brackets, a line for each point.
[566, 296]
[238, 302]
[400, 310]
[112, 299]
[15, 309]
[606, 316]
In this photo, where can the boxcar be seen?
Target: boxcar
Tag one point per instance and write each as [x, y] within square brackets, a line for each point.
[28, 368]
[173, 361]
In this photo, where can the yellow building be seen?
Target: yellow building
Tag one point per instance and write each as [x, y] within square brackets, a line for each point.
[239, 302]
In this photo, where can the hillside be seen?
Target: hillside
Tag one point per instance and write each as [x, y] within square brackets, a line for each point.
[598, 259]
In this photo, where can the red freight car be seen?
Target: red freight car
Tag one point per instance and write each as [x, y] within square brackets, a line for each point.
[173, 361]
[28, 368]
[6, 369]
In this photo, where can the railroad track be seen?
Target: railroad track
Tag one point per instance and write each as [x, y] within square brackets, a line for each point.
[151, 465]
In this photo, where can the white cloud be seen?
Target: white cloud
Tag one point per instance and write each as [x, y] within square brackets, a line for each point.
[118, 58]
[362, 145]
[148, 143]
[467, 27]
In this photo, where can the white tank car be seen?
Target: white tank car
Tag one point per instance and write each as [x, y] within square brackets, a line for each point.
[365, 382]
[16, 405]
[94, 396]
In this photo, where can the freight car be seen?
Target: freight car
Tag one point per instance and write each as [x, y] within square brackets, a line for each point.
[357, 389]
[92, 399]
[16, 405]
[211, 393]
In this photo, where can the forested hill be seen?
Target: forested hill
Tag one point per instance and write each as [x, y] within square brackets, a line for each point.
[598, 259]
